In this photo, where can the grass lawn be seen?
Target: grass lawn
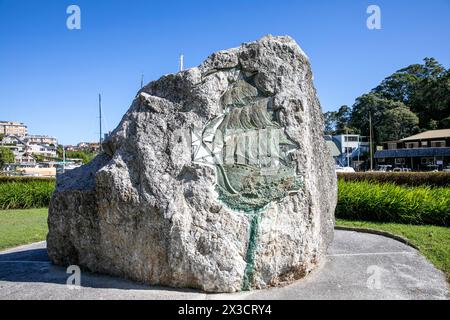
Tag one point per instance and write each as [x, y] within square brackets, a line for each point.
[432, 241]
[19, 227]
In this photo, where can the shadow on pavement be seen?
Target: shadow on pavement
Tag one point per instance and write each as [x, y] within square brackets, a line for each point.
[34, 266]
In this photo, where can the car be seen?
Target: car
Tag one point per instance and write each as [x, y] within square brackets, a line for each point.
[384, 168]
[401, 170]
[344, 169]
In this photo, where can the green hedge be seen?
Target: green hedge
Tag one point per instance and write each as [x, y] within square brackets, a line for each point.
[436, 179]
[8, 179]
[27, 193]
[358, 200]
[388, 202]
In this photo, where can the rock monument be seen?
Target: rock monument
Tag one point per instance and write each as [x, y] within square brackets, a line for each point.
[217, 178]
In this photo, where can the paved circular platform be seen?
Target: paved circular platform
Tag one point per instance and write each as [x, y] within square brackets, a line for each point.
[358, 266]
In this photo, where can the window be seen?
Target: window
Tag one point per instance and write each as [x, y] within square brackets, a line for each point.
[424, 144]
[348, 150]
[351, 139]
[381, 160]
[427, 160]
[399, 160]
[438, 144]
[411, 145]
[392, 145]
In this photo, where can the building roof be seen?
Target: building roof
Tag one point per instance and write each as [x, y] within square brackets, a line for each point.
[430, 134]
[333, 148]
[416, 152]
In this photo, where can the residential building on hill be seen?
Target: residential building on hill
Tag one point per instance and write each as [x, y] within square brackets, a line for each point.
[40, 139]
[23, 151]
[13, 128]
[88, 146]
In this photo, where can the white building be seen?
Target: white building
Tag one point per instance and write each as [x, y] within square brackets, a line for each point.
[351, 147]
[42, 150]
[13, 128]
[23, 152]
[40, 139]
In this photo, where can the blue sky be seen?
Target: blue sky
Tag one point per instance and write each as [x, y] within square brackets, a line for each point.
[50, 76]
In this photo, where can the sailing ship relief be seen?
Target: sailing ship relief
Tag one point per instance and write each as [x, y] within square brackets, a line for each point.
[249, 149]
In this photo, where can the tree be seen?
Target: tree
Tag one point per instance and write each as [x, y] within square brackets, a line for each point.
[375, 105]
[338, 122]
[343, 117]
[419, 92]
[398, 123]
[6, 156]
[59, 150]
[329, 122]
[424, 88]
[38, 157]
[86, 157]
[431, 101]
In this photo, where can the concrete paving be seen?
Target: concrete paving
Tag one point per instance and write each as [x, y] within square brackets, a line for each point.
[358, 266]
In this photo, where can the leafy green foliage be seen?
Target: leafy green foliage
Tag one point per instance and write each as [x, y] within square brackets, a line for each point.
[411, 100]
[26, 194]
[377, 107]
[6, 179]
[398, 123]
[338, 122]
[85, 156]
[424, 89]
[6, 156]
[388, 202]
[38, 157]
[411, 179]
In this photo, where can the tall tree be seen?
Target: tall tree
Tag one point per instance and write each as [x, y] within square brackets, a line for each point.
[343, 117]
[431, 101]
[329, 122]
[398, 123]
[338, 122]
[376, 106]
[424, 88]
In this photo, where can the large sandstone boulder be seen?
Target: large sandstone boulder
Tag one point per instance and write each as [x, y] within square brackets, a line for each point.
[216, 178]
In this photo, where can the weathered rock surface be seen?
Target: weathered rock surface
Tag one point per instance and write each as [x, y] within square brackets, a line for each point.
[151, 209]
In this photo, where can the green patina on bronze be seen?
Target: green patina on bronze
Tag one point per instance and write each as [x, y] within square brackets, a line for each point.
[252, 155]
[251, 250]
[249, 149]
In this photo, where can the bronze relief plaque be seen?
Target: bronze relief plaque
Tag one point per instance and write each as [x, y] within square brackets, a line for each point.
[249, 149]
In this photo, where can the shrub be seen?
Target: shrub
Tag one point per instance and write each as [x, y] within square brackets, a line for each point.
[388, 202]
[7, 179]
[26, 193]
[436, 179]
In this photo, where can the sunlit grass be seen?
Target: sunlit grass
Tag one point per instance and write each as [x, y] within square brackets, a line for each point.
[19, 227]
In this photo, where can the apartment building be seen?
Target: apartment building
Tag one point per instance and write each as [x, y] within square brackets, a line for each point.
[41, 139]
[13, 128]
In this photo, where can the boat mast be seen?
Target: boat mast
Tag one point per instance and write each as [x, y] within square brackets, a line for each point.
[181, 62]
[370, 138]
[100, 119]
